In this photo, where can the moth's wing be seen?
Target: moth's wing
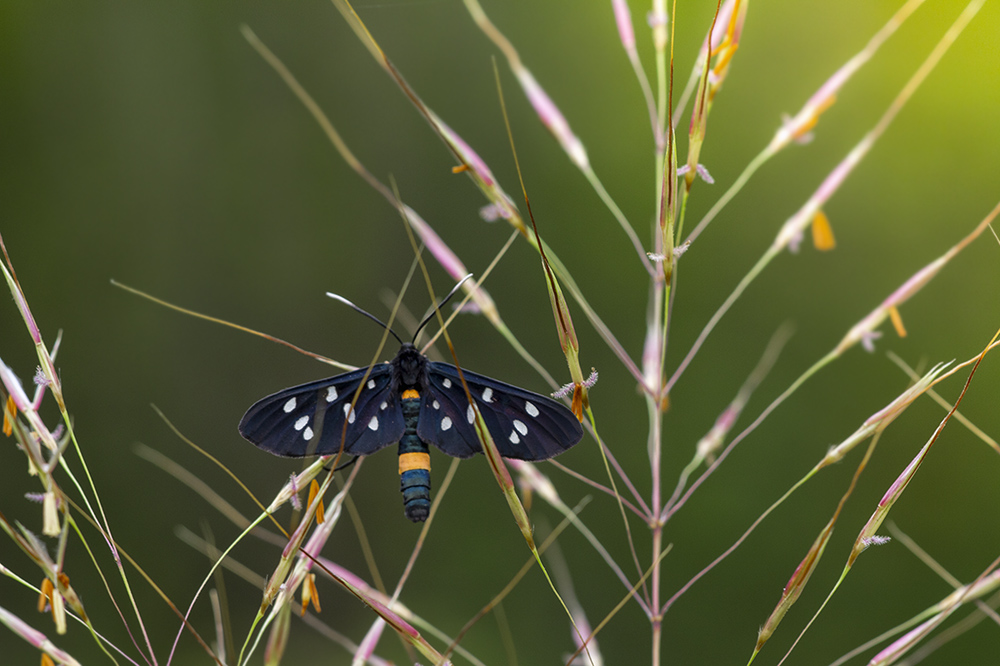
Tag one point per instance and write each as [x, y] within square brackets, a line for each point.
[309, 419]
[524, 425]
[443, 418]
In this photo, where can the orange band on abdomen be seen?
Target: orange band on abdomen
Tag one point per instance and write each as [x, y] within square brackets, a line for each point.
[410, 393]
[408, 461]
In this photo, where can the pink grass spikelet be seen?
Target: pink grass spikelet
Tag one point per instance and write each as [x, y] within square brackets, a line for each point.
[901, 646]
[795, 586]
[798, 128]
[15, 391]
[469, 156]
[554, 120]
[36, 639]
[623, 19]
[367, 646]
[437, 247]
[712, 441]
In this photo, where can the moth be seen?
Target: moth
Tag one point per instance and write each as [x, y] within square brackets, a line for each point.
[414, 402]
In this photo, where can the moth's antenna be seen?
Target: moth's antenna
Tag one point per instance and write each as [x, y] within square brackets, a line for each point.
[368, 314]
[439, 305]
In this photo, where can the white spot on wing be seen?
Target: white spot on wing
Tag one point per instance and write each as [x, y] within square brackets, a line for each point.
[373, 424]
[301, 423]
[308, 434]
[530, 408]
[514, 439]
[520, 427]
[290, 405]
[383, 405]
[331, 394]
[371, 384]
[349, 413]
[446, 382]
[487, 395]
[445, 424]
[436, 405]
[470, 415]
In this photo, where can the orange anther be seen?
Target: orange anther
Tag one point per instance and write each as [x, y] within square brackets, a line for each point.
[8, 416]
[897, 322]
[823, 238]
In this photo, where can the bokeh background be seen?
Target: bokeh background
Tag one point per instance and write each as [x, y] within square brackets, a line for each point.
[148, 143]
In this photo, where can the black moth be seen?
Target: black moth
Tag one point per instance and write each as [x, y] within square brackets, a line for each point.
[415, 402]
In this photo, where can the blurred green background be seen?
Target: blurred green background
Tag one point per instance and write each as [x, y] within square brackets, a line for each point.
[148, 143]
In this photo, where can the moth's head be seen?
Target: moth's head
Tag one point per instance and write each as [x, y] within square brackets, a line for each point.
[409, 367]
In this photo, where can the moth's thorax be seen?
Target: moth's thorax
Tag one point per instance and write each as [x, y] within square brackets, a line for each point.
[409, 368]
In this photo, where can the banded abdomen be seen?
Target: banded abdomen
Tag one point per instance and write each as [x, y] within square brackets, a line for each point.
[414, 462]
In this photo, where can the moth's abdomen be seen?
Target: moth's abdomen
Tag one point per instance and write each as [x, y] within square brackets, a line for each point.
[414, 463]
[415, 485]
